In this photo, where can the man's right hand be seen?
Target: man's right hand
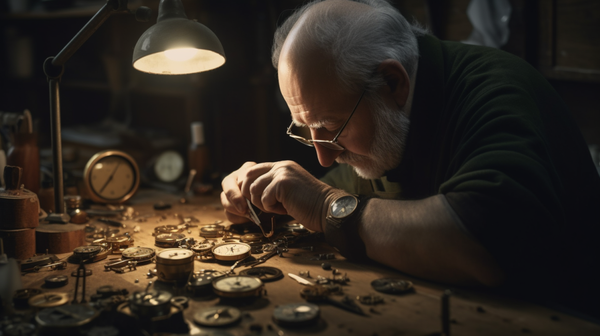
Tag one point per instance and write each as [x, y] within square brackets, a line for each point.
[282, 187]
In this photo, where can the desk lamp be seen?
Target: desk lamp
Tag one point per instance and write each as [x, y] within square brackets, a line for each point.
[173, 46]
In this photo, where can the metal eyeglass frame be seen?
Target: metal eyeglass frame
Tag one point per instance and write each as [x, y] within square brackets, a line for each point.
[331, 144]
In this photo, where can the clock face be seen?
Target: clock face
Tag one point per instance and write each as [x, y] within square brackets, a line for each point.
[175, 254]
[231, 251]
[169, 166]
[343, 206]
[111, 177]
[237, 286]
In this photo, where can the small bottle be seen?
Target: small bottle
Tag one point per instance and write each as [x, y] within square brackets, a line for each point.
[198, 156]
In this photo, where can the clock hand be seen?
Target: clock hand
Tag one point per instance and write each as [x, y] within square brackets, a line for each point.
[110, 177]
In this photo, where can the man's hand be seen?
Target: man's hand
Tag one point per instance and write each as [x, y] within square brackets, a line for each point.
[282, 188]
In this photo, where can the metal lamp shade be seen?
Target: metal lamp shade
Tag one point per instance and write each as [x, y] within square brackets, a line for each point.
[175, 33]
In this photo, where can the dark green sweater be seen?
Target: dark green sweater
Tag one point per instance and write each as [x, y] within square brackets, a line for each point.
[492, 135]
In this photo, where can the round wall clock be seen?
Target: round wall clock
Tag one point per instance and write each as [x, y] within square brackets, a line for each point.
[169, 166]
[111, 176]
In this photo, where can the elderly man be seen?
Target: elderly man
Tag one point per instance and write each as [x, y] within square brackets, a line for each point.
[458, 163]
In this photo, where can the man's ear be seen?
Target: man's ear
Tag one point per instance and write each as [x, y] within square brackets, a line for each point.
[396, 79]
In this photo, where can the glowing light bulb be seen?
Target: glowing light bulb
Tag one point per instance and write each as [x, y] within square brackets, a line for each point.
[180, 55]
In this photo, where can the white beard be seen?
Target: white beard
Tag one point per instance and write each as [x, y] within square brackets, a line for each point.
[391, 129]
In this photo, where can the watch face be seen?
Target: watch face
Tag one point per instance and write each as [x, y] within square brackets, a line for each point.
[237, 286]
[111, 177]
[343, 206]
[231, 251]
[169, 166]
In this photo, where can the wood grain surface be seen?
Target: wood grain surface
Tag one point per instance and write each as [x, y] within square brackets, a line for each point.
[472, 312]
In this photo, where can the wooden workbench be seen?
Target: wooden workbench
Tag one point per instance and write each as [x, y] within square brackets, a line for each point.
[471, 312]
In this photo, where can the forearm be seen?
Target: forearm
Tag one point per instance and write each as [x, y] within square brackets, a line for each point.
[423, 238]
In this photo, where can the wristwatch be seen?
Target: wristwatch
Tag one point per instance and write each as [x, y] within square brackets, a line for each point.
[341, 209]
[341, 229]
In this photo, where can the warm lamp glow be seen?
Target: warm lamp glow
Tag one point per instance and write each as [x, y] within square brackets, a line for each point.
[176, 45]
[181, 54]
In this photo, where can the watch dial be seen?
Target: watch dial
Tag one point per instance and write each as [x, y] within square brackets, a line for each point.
[343, 206]
[231, 249]
[237, 284]
[112, 178]
[169, 166]
[175, 254]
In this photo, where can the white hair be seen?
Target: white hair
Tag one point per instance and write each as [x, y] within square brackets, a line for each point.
[358, 44]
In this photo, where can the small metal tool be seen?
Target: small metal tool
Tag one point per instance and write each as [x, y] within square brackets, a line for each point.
[300, 279]
[81, 272]
[252, 214]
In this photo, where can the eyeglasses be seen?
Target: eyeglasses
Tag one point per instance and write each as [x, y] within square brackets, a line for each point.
[331, 144]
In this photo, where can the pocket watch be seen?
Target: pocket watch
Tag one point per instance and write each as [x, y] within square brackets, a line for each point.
[150, 303]
[54, 281]
[171, 228]
[169, 239]
[140, 254]
[118, 243]
[231, 251]
[111, 176]
[240, 286]
[45, 300]
[217, 316]
[86, 252]
[296, 314]
[66, 319]
[212, 231]
[200, 283]
[265, 273]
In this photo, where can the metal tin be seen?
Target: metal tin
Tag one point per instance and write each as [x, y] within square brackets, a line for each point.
[174, 265]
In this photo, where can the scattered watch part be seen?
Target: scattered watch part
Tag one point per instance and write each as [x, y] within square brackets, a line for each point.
[264, 273]
[119, 243]
[151, 303]
[171, 228]
[212, 231]
[174, 265]
[392, 285]
[252, 237]
[296, 314]
[40, 260]
[65, 319]
[294, 228]
[46, 300]
[201, 282]
[217, 316]
[231, 251]
[240, 286]
[202, 248]
[22, 296]
[20, 329]
[55, 281]
[370, 299]
[182, 301]
[169, 239]
[138, 253]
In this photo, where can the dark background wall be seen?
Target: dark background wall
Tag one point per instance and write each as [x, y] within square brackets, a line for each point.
[244, 115]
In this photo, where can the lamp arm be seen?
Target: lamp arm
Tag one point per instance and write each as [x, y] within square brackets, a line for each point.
[54, 69]
[109, 8]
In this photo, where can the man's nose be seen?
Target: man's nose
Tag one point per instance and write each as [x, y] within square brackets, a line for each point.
[325, 155]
